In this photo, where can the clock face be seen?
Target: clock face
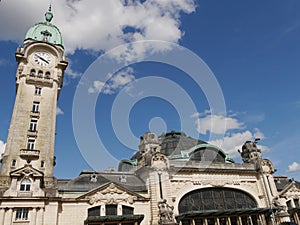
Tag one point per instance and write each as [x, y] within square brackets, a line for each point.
[42, 58]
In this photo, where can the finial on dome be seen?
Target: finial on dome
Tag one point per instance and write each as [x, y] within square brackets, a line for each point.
[49, 15]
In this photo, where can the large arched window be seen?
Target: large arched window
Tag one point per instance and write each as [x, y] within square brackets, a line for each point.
[216, 199]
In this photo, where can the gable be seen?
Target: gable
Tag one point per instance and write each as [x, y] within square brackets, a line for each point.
[26, 171]
[111, 193]
[291, 190]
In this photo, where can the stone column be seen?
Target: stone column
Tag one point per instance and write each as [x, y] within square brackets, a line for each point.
[40, 216]
[8, 217]
[33, 217]
[2, 213]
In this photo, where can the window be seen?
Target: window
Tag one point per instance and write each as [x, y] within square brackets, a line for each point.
[40, 74]
[13, 163]
[32, 72]
[95, 211]
[289, 204]
[30, 144]
[32, 125]
[25, 185]
[22, 214]
[42, 164]
[216, 199]
[126, 210]
[38, 91]
[111, 210]
[296, 201]
[35, 107]
[47, 76]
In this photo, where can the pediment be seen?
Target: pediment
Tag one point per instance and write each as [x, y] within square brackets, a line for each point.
[291, 190]
[111, 193]
[26, 171]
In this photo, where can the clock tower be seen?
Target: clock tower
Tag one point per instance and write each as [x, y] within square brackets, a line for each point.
[28, 160]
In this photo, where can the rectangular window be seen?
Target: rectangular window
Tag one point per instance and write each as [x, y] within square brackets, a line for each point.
[31, 144]
[289, 204]
[111, 210]
[126, 210]
[22, 214]
[296, 201]
[32, 125]
[35, 107]
[38, 91]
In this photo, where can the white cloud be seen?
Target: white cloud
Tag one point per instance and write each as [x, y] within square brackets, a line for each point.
[2, 147]
[93, 26]
[234, 131]
[232, 142]
[59, 111]
[70, 72]
[115, 82]
[216, 124]
[294, 167]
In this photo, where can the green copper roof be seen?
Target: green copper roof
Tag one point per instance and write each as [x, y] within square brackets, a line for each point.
[45, 31]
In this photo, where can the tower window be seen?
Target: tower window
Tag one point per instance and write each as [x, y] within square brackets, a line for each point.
[47, 76]
[32, 125]
[25, 185]
[22, 214]
[30, 144]
[32, 72]
[13, 163]
[38, 91]
[35, 107]
[42, 164]
[40, 73]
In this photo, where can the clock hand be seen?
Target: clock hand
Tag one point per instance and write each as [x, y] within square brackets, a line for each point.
[42, 58]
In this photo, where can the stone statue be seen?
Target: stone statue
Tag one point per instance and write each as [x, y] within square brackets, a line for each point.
[250, 152]
[166, 213]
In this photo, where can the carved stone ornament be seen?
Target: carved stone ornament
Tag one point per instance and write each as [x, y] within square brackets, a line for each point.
[27, 171]
[267, 166]
[111, 195]
[166, 214]
[159, 161]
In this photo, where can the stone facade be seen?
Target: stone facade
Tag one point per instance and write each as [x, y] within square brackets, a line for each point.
[172, 179]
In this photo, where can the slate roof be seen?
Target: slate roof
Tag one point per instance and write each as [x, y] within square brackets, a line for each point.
[282, 182]
[173, 143]
[89, 180]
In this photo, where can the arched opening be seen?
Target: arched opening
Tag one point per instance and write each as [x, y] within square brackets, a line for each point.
[222, 206]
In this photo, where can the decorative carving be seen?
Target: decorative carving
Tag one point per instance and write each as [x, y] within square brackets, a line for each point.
[27, 171]
[159, 161]
[166, 214]
[111, 195]
[250, 152]
[280, 204]
[267, 166]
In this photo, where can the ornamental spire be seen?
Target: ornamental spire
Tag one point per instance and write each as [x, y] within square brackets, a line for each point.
[49, 14]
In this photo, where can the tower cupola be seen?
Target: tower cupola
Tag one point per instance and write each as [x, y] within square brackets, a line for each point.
[45, 31]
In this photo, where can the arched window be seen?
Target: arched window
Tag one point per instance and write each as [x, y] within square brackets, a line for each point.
[32, 72]
[216, 199]
[25, 185]
[47, 76]
[40, 73]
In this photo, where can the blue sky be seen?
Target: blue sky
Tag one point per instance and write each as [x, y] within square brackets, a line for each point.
[251, 47]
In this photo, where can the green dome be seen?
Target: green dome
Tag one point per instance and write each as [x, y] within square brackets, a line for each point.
[45, 31]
